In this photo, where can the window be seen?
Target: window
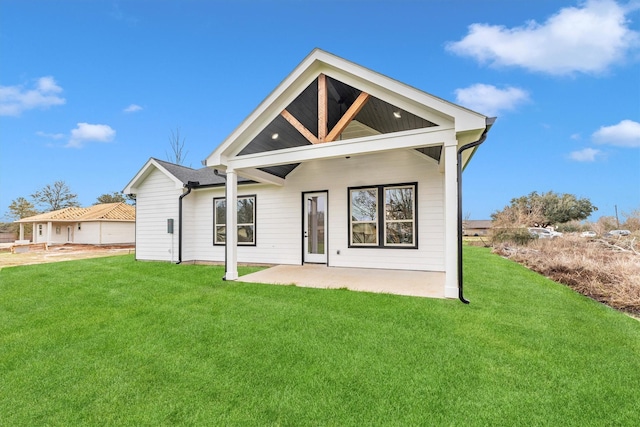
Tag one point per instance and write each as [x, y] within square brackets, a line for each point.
[246, 220]
[364, 217]
[383, 216]
[57, 230]
[39, 229]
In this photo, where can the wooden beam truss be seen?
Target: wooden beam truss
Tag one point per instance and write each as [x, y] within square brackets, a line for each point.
[323, 115]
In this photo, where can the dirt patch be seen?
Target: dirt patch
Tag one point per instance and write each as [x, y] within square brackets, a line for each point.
[66, 252]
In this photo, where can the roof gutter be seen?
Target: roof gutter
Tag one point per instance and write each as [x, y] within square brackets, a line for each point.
[489, 123]
[189, 185]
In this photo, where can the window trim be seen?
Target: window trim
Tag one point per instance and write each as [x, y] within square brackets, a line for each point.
[381, 219]
[238, 242]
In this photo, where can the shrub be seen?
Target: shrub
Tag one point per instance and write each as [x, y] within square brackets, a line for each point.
[517, 236]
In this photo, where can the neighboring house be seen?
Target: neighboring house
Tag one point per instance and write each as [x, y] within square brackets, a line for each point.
[339, 165]
[477, 227]
[103, 224]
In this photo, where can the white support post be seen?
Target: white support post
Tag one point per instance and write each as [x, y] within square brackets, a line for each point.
[21, 231]
[451, 218]
[49, 227]
[232, 225]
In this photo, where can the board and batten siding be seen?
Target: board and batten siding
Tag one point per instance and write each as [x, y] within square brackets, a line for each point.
[156, 201]
[279, 214]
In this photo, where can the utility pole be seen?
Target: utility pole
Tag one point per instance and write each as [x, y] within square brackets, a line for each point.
[617, 220]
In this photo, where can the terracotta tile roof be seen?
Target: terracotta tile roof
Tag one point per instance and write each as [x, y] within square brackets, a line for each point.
[101, 212]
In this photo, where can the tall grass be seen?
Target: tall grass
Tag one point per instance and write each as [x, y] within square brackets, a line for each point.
[112, 341]
[606, 270]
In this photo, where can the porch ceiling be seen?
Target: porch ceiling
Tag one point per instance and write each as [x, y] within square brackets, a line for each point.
[331, 100]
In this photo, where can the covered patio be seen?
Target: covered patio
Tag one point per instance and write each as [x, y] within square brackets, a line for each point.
[398, 282]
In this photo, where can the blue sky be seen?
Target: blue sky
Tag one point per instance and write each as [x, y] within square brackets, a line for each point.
[89, 90]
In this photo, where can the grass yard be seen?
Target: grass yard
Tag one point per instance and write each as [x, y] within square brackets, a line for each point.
[111, 341]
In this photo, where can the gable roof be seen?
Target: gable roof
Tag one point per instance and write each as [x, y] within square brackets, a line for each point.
[180, 175]
[101, 212]
[292, 117]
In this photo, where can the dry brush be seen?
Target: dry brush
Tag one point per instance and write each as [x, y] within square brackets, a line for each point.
[607, 270]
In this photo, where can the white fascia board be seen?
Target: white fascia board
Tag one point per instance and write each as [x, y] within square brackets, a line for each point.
[377, 90]
[403, 96]
[267, 110]
[261, 176]
[392, 91]
[132, 186]
[351, 147]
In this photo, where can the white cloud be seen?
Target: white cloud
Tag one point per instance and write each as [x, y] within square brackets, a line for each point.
[132, 108]
[490, 100]
[50, 135]
[86, 132]
[585, 155]
[587, 39]
[624, 134]
[16, 99]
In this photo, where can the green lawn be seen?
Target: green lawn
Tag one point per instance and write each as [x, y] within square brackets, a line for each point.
[111, 341]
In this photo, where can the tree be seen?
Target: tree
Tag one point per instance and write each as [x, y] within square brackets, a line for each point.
[543, 210]
[21, 208]
[178, 154]
[54, 197]
[18, 209]
[114, 197]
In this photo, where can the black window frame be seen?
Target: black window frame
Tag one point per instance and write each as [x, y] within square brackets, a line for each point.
[381, 220]
[255, 228]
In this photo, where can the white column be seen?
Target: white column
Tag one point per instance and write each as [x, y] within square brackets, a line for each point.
[21, 231]
[232, 225]
[49, 227]
[451, 218]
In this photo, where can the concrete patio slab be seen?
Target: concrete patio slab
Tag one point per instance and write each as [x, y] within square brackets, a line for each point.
[398, 282]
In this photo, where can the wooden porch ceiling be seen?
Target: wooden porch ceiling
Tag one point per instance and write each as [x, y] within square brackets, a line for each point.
[322, 113]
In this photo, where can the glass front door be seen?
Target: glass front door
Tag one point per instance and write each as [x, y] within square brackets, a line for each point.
[315, 227]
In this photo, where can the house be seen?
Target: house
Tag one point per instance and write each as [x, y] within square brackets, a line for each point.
[102, 224]
[477, 227]
[339, 165]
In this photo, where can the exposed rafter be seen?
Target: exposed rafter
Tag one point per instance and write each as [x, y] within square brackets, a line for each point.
[299, 127]
[351, 113]
[323, 115]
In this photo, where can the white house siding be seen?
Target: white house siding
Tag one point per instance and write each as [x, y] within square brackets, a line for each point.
[277, 226]
[90, 233]
[56, 239]
[118, 232]
[156, 201]
[279, 214]
[104, 232]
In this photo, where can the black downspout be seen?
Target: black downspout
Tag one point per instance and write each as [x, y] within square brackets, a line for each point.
[489, 123]
[217, 173]
[189, 185]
